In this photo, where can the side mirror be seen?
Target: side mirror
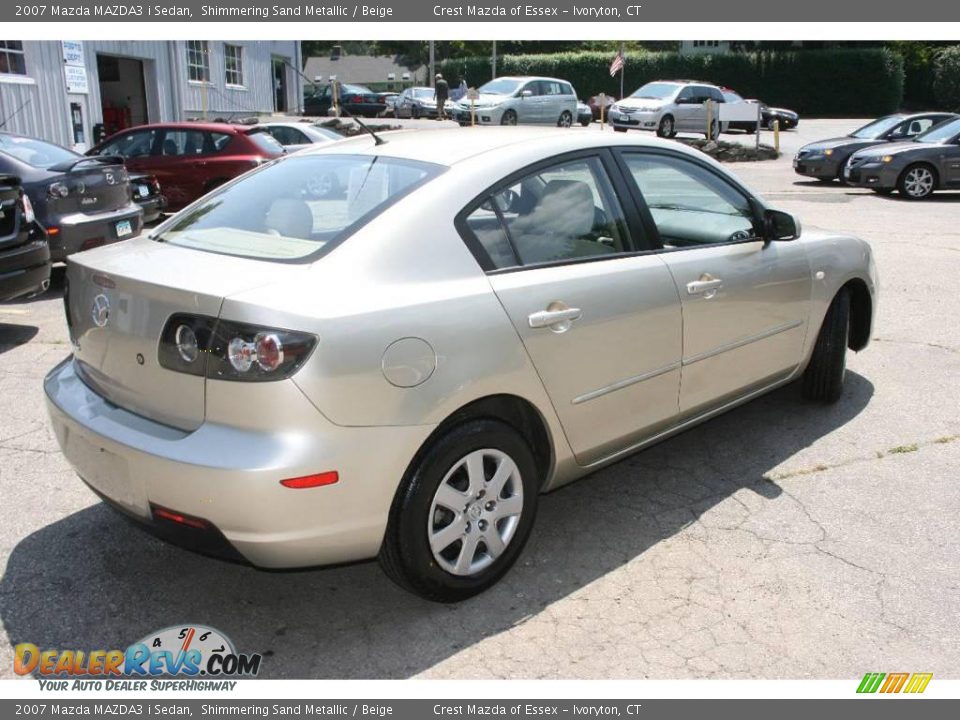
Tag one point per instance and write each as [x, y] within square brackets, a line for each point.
[526, 93]
[779, 225]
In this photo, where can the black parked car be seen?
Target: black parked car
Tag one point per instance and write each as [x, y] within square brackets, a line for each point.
[81, 202]
[355, 99]
[788, 119]
[147, 194]
[825, 159]
[24, 254]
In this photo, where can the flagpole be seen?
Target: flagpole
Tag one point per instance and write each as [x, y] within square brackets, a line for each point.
[623, 67]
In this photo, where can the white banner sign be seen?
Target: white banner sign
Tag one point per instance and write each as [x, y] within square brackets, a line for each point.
[76, 79]
[73, 52]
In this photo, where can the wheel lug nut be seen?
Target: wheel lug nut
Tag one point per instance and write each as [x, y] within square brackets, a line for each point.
[481, 493]
[490, 505]
[482, 525]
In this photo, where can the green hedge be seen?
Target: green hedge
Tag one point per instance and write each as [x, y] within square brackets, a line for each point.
[946, 78]
[843, 82]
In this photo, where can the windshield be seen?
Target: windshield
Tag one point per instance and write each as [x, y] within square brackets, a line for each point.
[318, 132]
[422, 92]
[940, 133]
[877, 128]
[731, 97]
[295, 208]
[656, 91]
[34, 152]
[500, 86]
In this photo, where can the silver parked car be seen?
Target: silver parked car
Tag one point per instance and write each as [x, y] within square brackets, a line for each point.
[668, 107]
[918, 168]
[296, 136]
[522, 101]
[416, 102]
[399, 372]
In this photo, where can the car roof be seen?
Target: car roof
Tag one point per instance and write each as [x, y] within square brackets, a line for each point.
[527, 78]
[209, 126]
[450, 146]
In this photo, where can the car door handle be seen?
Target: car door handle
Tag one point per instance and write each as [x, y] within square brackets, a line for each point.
[706, 285]
[555, 319]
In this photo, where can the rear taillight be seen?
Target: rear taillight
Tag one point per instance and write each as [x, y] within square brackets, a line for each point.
[27, 206]
[225, 350]
[57, 190]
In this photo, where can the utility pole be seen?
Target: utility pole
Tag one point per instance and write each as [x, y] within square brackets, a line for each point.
[433, 70]
[493, 61]
[622, 69]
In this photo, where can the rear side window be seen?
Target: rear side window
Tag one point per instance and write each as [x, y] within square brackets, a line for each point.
[184, 142]
[296, 209]
[266, 143]
[565, 212]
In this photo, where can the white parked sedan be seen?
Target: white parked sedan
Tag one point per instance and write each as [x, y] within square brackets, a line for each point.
[400, 371]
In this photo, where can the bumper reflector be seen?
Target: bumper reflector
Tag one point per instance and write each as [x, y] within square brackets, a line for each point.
[310, 481]
[178, 518]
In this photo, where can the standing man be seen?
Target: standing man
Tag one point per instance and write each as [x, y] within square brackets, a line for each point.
[441, 91]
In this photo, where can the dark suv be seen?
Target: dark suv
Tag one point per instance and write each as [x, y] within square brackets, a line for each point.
[24, 255]
[190, 159]
[81, 202]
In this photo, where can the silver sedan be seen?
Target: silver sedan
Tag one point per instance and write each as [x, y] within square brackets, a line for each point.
[400, 371]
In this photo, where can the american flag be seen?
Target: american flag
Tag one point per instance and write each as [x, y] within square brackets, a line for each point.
[617, 64]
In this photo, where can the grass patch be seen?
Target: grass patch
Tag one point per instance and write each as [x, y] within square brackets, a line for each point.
[903, 449]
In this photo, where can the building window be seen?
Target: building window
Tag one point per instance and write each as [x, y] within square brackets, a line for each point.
[706, 43]
[233, 62]
[11, 58]
[198, 61]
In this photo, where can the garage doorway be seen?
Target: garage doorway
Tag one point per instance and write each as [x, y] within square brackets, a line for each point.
[123, 95]
[280, 104]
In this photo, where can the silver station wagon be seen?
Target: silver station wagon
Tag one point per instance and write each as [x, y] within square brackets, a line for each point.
[399, 371]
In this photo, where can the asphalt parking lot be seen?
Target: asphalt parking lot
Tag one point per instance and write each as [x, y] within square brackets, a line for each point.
[782, 540]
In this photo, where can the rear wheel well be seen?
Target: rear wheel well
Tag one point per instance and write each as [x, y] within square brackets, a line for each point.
[516, 412]
[861, 313]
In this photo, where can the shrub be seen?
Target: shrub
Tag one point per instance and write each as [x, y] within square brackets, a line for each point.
[946, 78]
[858, 82]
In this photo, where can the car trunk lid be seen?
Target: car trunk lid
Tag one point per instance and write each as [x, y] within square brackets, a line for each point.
[118, 299]
[92, 185]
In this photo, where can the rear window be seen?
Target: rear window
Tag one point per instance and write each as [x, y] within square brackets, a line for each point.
[34, 152]
[266, 143]
[296, 209]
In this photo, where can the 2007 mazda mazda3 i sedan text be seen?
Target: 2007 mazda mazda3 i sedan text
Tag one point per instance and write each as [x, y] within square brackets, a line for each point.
[400, 370]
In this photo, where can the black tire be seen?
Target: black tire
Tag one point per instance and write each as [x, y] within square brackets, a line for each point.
[667, 127]
[415, 112]
[509, 117]
[883, 191]
[586, 123]
[619, 129]
[904, 181]
[406, 556]
[823, 378]
[566, 119]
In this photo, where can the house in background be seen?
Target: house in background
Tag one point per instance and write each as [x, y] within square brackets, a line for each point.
[703, 47]
[72, 92]
[378, 72]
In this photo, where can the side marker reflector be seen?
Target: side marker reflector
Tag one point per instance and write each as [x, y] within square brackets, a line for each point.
[310, 481]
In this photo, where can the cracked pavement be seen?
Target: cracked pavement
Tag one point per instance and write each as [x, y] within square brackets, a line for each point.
[781, 540]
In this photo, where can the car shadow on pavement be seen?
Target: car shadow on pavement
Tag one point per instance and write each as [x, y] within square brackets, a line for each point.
[12, 336]
[91, 581]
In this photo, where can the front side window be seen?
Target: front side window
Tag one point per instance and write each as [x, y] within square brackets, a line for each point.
[12, 61]
[130, 145]
[565, 212]
[233, 64]
[198, 61]
[278, 214]
[690, 205]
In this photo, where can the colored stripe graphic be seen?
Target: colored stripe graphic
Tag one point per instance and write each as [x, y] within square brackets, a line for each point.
[894, 682]
[870, 682]
[918, 683]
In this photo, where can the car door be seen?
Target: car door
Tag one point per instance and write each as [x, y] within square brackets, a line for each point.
[745, 301]
[530, 107]
[600, 322]
[134, 146]
[686, 109]
[950, 163]
[180, 166]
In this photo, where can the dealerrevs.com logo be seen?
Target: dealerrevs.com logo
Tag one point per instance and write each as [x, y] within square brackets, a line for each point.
[197, 657]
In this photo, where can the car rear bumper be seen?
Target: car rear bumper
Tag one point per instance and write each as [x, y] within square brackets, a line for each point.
[24, 269]
[79, 231]
[228, 478]
[152, 207]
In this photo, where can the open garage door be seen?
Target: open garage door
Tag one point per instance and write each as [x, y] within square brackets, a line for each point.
[123, 95]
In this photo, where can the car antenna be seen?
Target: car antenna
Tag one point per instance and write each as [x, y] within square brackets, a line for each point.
[377, 140]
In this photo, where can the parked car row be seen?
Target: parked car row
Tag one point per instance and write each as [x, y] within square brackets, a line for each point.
[915, 154]
[24, 253]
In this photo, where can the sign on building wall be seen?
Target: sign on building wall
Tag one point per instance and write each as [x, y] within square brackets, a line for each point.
[73, 53]
[76, 78]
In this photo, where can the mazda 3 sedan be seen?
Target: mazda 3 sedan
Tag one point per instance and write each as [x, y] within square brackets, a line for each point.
[399, 371]
[930, 162]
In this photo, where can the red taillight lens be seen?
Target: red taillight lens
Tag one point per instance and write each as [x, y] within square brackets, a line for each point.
[310, 481]
[178, 518]
[356, 99]
[269, 351]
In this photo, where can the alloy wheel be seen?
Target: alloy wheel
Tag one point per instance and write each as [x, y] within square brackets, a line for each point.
[566, 120]
[918, 182]
[475, 512]
[509, 118]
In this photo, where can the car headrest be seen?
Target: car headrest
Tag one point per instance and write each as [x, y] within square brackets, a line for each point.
[566, 207]
[291, 218]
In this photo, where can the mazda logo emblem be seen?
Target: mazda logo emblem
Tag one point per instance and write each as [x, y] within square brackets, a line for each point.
[101, 310]
[110, 178]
